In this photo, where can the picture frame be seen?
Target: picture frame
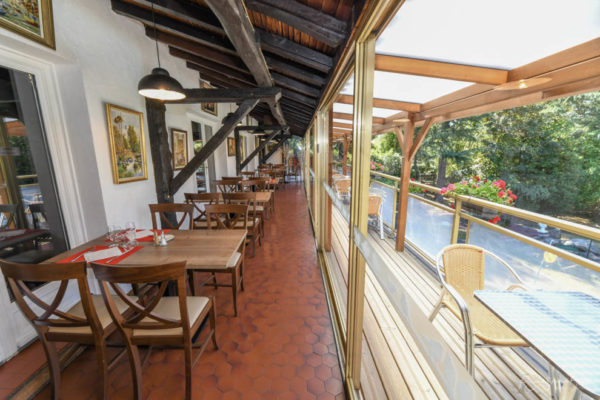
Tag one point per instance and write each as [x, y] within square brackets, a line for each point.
[231, 147]
[179, 147]
[32, 20]
[242, 148]
[210, 108]
[127, 144]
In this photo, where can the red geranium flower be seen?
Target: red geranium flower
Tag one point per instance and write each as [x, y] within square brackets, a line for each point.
[494, 220]
[477, 178]
[451, 186]
[501, 194]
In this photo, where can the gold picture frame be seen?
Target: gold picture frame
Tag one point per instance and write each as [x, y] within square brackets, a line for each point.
[210, 108]
[32, 19]
[179, 141]
[127, 144]
[231, 147]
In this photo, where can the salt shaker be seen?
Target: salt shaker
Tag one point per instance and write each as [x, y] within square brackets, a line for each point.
[163, 239]
[156, 239]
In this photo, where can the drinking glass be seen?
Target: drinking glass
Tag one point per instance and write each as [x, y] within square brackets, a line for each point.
[129, 240]
[112, 235]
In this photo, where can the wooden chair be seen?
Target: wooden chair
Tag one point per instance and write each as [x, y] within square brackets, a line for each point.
[161, 321]
[231, 216]
[87, 322]
[8, 212]
[200, 200]
[187, 211]
[375, 210]
[232, 178]
[461, 269]
[227, 185]
[248, 174]
[254, 224]
[342, 188]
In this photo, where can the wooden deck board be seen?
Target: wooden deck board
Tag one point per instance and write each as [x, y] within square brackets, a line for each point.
[501, 373]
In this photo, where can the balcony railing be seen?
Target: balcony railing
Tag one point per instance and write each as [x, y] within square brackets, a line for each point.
[547, 252]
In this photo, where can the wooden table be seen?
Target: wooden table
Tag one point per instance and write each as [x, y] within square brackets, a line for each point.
[202, 249]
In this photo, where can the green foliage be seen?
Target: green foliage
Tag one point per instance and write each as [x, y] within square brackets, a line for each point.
[133, 139]
[23, 161]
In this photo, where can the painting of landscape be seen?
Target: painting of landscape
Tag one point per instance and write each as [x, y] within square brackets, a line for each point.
[29, 18]
[128, 153]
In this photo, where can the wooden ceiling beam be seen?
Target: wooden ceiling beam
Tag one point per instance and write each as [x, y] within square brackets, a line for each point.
[382, 103]
[314, 23]
[293, 71]
[438, 69]
[212, 76]
[342, 125]
[289, 94]
[173, 26]
[291, 50]
[297, 86]
[221, 69]
[229, 95]
[235, 21]
[349, 117]
[198, 49]
[185, 11]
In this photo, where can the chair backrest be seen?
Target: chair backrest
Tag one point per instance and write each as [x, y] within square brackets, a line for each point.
[343, 185]
[199, 200]
[46, 315]
[142, 316]
[257, 184]
[246, 174]
[374, 204]
[232, 178]
[8, 211]
[187, 211]
[464, 268]
[227, 185]
[337, 176]
[227, 216]
[38, 215]
[246, 198]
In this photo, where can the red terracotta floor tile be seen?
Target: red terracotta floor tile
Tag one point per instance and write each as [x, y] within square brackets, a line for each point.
[280, 346]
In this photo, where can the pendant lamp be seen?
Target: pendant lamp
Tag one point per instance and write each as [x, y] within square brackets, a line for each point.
[159, 85]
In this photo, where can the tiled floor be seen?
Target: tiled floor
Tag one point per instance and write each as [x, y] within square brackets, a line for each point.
[280, 347]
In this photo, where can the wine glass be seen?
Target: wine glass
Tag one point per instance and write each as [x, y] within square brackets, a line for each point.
[129, 241]
[112, 235]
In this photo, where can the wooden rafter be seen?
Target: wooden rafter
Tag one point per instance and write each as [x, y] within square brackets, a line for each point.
[349, 117]
[315, 23]
[294, 71]
[229, 95]
[235, 21]
[438, 69]
[383, 103]
[342, 125]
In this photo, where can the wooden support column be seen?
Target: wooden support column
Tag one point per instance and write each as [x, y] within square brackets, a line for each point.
[345, 158]
[160, 150]
[229, 122]
[409, 149]
[238, 155]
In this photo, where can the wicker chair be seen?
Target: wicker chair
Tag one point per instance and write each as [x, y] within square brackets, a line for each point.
[461, 269]
[342, 187]
[375, 210]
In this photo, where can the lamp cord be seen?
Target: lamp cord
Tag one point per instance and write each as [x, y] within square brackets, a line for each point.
[155, 36]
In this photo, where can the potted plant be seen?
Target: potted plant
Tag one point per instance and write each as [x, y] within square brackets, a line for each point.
[495, 191]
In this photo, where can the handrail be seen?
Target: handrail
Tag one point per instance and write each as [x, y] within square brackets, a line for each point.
[579, 229]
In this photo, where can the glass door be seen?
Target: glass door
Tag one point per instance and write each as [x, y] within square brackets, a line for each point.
[31, 223]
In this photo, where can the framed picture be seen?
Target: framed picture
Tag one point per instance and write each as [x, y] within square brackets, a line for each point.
[127, 144]
[210, 108]
[230, 147]
[31, 19]
[179, 139]
[243, 148]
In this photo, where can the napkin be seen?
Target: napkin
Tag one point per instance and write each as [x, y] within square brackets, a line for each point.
[102, 254]
[143, 234]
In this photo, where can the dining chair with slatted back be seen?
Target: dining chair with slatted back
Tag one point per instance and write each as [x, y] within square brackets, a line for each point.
[163, 210]
[161, 320]
[231, 216]
[200, 200]
[227, 185]
[375, 210]
[254, 224]
[248, 174]
[87, 322]
[343, 187]
[8, 213]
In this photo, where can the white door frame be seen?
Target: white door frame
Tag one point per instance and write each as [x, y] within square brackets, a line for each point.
[19, 332]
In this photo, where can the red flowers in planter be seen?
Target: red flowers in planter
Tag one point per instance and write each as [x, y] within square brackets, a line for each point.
[494, 220]
[495, 191]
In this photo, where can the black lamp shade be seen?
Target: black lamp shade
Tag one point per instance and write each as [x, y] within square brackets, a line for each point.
[160, 85]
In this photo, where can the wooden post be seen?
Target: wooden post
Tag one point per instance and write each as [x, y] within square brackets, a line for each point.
[345, 158]
[409, 132]
[238, 155]
[159, 149]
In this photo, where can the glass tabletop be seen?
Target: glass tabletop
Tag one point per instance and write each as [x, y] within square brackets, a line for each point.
[563, 326]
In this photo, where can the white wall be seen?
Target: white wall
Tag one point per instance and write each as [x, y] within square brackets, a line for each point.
[100, 57]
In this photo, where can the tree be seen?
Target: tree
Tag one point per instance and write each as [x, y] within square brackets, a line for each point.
[134, 142]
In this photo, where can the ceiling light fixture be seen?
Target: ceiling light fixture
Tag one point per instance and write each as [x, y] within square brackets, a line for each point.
[159, 85]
